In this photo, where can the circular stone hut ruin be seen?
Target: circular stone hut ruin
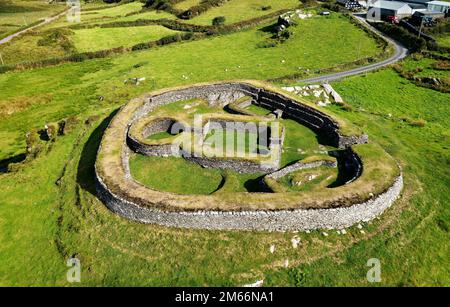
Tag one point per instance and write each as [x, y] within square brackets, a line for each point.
[291, 192]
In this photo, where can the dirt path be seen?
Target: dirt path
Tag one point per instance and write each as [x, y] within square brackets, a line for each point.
[44, 22]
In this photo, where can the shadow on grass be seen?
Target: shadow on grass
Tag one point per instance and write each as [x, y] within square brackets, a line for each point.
[272, 29]
[4, 164]
[86, 165]
[256, 186]
[343, 174]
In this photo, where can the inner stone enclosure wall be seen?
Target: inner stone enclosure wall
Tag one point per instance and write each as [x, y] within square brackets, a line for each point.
[157, 126]
[224, 94]
[298, 219]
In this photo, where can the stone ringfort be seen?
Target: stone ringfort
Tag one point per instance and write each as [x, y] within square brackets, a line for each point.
[373, 180]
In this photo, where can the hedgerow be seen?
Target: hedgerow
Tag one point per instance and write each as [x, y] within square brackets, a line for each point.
[204, 6]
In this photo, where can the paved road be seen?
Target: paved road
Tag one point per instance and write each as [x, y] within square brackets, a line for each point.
[45, 21]
[400, 53]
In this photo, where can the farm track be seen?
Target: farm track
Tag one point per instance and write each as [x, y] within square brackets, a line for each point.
[400, 53]
[47, 20]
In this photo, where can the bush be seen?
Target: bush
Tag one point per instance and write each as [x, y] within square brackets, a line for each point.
[218, 21]
[169, 39]
[162, 5]
[67, 125]
[333, 7]
[442, 65]
[408, 39]
[34, 147]
[204, 6]
[284, 35]
[414, 122]
[57, 37]
[51, 132]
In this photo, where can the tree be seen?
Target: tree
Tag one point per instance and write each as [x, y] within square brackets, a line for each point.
[218, 21]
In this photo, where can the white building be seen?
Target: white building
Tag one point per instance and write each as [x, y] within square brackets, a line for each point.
[439, 6]
[384, 9]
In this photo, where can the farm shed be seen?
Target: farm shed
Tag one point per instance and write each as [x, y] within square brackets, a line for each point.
[390, 8]
[439, 6]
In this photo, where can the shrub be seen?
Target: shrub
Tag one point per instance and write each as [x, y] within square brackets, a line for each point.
[163, 5]
[34, 147]
[188, 36]
[140, 46]
[414, 122]
[408, 39]
[57, 37]
[333, 7]
[441, 65]
[66, 125]
[204, 6]
[284, 35]
[169, 39]
[218, 21]
[51, 132]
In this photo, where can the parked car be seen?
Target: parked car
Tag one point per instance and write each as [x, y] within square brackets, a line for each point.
[392, 19]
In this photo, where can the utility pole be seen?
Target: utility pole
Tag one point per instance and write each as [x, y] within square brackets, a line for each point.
[421, 26]
[1, 59]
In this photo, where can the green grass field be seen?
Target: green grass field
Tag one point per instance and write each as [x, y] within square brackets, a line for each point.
[122, 12]
[444, 40]
[101, 38]
[18, 14]
[237, 10]
[49, 211]
[186, 4]
[298, 53]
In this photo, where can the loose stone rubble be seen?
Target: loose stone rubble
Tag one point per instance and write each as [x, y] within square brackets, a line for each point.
[323, 94]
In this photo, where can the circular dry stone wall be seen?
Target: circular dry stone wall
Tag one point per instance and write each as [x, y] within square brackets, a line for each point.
[356, 201]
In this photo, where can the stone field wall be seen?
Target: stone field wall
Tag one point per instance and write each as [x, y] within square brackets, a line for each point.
[282, 220]
[278, 220]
